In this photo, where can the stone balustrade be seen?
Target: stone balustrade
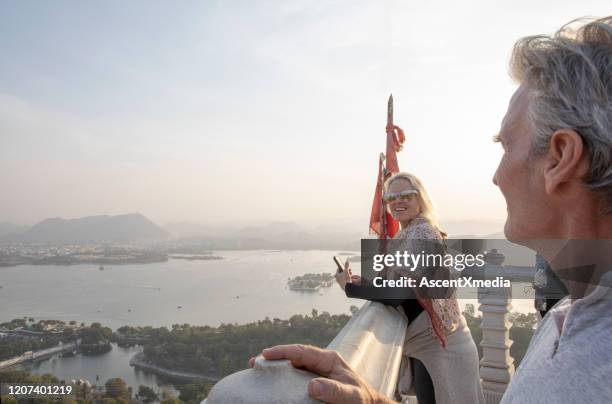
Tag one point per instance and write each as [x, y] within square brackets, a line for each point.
[371, 343]
[496, 365]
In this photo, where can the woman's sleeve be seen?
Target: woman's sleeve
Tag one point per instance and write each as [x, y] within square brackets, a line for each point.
[425, 240]
[366, 293]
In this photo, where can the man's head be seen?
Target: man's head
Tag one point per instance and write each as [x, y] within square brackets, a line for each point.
[556, 172]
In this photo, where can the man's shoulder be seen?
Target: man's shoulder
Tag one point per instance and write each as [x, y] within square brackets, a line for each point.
[578, 369]
[586, 328]
[569, 362]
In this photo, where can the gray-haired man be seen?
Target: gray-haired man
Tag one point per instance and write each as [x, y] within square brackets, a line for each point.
[556, 177]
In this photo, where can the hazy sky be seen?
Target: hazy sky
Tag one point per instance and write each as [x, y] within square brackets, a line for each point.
[230, 111]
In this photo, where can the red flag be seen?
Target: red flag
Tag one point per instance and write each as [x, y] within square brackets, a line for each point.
[381, 222]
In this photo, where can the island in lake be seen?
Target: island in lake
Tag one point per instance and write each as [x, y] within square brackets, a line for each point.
[310, 282]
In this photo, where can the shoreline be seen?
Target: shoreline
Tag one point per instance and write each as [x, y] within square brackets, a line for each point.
[137, 362]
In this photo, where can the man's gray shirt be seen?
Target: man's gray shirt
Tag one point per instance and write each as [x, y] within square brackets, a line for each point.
[569, 359]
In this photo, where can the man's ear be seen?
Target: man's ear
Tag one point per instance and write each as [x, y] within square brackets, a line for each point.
[565, 160]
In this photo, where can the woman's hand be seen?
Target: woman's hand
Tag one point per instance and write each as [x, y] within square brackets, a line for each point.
[356, 279]
[344, 277]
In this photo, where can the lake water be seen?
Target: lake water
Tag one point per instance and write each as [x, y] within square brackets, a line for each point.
[245, 286]
[99, 368]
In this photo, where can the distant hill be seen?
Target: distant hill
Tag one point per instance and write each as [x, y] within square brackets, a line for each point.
[294, 241]
[274, 235]
[121, 228]
[188, 229]
[474, 228]
[272, 229]
[11, 228]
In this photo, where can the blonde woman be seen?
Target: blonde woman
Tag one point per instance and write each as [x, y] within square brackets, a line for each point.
[440, 357]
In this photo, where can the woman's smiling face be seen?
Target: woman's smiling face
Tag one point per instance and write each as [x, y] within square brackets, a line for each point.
[406, 208]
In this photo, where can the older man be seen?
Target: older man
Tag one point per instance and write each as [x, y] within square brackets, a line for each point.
[556, 177]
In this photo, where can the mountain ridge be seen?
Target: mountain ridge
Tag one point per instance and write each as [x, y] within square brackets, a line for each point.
[91, 229]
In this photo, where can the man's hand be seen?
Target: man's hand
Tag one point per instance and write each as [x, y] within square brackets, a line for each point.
[339, 384]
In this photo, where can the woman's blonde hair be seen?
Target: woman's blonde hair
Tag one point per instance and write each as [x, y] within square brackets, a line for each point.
[427, 209]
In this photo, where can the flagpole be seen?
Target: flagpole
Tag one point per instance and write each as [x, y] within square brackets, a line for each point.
[383, 210]
[384, 234]
[390, 112]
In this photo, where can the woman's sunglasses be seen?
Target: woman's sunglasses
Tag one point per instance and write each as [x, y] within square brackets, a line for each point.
[403, 196]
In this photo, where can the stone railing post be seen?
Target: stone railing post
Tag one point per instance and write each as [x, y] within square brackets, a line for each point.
[496, 365]
[371, 342]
